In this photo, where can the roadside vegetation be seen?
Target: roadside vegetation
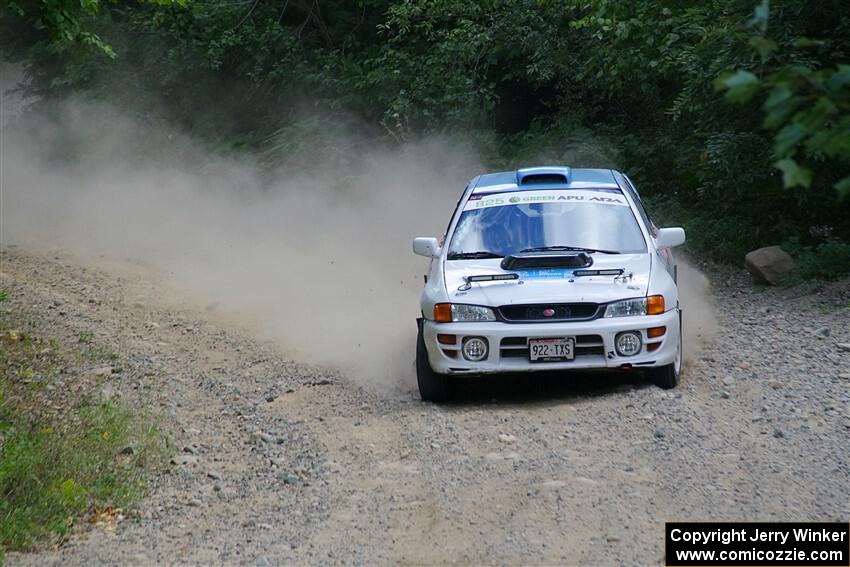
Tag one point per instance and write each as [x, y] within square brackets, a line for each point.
[733, 117]
[69, 455]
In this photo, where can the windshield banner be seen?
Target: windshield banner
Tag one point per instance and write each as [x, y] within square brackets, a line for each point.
[544, 196]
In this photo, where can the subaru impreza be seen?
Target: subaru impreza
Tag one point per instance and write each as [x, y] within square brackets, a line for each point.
[548, 269]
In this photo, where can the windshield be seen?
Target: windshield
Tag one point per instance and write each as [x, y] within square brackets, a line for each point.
[508, 223]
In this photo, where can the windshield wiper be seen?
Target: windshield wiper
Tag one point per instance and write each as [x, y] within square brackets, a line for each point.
[569, 248]
[474, 255]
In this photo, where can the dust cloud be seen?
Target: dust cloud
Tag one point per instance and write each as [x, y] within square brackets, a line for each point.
[700, 324]
[315, 255]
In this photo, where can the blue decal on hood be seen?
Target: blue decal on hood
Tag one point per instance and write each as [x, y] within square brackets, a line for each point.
[548, 274]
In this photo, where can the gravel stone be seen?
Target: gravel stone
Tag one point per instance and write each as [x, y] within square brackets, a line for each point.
[182, 460]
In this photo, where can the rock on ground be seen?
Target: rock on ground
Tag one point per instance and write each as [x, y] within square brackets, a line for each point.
[767, 265]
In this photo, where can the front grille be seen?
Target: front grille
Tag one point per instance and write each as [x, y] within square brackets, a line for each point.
[534, 313]
[585, 345]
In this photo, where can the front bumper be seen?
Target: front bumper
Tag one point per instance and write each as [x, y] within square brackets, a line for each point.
[594, 344]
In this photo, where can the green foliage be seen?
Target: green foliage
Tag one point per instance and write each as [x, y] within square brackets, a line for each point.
[742, 86]
[830, 259]
[808, 108]
[66, 22]
[601, 83]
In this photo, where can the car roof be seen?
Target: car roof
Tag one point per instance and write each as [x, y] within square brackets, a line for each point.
[545, 177]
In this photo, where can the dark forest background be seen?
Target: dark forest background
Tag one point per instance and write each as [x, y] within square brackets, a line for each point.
[732, 117]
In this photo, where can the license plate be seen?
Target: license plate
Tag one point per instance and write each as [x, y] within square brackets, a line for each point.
[550, 350]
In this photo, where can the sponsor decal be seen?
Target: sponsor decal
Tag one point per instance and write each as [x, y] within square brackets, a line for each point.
[547, 274]
[527, 197]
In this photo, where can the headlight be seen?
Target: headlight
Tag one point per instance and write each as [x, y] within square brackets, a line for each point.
[626, 308]
[652, 305]
[449, 312]
[472, 313]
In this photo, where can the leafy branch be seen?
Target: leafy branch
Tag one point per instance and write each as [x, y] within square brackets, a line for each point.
[65, 20]
[808, 109]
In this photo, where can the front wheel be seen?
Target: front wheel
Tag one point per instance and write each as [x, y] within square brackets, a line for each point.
[433, 387]
[667, 377]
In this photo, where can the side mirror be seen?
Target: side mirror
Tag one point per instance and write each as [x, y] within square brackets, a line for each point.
[670, 237]
[426, 246]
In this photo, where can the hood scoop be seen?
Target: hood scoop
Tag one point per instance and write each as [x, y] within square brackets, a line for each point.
[538, 260]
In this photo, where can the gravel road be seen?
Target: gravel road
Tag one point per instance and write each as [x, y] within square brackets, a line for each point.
[287, 463]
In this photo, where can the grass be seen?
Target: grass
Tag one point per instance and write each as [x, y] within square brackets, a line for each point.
[75, 458]
[85, 337]
[99, 353]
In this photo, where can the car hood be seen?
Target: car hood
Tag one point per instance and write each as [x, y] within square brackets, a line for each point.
[548, 285]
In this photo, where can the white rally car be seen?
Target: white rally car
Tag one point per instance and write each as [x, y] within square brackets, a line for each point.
[549, 268]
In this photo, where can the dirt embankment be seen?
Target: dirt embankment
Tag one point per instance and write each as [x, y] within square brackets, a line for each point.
[278, 462]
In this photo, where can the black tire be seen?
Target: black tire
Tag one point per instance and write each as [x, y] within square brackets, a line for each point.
[667, 377]
[433, 387]
[664, 376]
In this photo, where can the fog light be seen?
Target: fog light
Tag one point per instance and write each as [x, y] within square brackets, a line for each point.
[628, 343]
[474, 348]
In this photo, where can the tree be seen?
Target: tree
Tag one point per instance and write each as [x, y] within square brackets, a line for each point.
[807, 106]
